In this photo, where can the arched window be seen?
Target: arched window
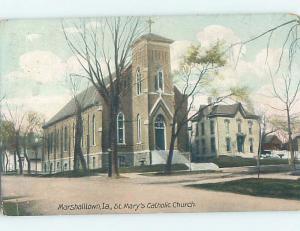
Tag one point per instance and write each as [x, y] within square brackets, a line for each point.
[138, 81]
[139, 129]
[159, 81]
[65, 139]
[93, 130]
[121, 128]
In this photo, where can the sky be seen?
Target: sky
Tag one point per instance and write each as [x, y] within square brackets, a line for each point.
[35, 58]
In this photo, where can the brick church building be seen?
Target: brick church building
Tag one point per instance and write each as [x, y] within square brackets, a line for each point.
[143, 123]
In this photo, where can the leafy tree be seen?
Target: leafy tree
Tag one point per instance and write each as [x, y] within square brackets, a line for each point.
[197, 69]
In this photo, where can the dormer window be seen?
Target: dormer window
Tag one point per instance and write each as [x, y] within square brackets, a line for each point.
[138, 81]
[159, 81]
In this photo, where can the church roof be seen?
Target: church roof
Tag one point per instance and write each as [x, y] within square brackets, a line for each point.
[87, 98]
[224, 111]
[154, 37]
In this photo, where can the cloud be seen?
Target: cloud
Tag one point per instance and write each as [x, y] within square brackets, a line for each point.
[72, 29]
[32, 37]
[46, 105]
[250, 72]
[177, 51]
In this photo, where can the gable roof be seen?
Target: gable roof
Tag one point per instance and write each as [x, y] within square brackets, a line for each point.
[154, 37]
[221, 110]
[87, 98]
[271, 139]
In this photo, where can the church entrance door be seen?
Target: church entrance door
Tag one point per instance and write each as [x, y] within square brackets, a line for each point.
[159, 126]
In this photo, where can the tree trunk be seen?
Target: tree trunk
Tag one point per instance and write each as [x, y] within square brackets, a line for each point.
[261, 138]
[19, 153]
[28, 162]
[26, 157]
[6, 164]
[291, 146]
[114, 171]
[78, 155]
[15, 161]
[168, 169]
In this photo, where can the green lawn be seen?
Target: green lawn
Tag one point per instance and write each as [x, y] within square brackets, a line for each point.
[145, 168]
[278, 188]
[237, 161]
[11, 208]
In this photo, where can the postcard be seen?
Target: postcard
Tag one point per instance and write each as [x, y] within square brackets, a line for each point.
[152, 114]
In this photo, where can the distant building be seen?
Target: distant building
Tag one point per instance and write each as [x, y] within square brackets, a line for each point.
[10, 160]
[271, 142]
[224, 130]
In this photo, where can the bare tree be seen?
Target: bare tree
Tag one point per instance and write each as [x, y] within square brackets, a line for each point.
[291, 40]
[287, 94]
[106, 45]
[79, 107]
[267, 126]
[194, 74]
[32, 125]
[16, 117]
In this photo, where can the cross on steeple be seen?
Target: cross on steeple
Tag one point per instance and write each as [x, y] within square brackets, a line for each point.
[150, 22]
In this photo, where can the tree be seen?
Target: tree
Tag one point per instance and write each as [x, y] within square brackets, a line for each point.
[6, 141]
[286, 93]
[105, 45]
[79, 102]
[32, 125]
[267, 126]
[195, 73]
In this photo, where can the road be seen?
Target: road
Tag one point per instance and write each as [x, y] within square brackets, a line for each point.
[136, 193]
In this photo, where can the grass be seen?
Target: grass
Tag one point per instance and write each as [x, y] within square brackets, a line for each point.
[179, 173]
[237, 161]
[145, 168]
[12, 208]
[276, 188]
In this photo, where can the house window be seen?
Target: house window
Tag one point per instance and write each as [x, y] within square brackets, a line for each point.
[251, 145]
[227, 126]
[202, 129]
[93, 130]
[159, 81]
[213, 145]
[138, 82]
[228, 144]
[139, 129]
[212, 127]
[239, 123]
[121, 128]
[250, 124]
[203, 146]
[65, 139]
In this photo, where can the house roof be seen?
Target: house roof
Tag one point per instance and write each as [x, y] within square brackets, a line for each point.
[87, 98]
[154, 37]
[221, 110]
[271, 139]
